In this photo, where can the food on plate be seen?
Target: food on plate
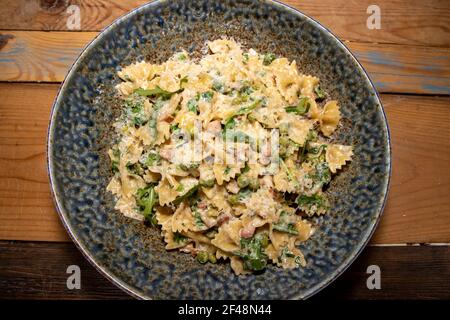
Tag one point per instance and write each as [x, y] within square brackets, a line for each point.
[228, 154]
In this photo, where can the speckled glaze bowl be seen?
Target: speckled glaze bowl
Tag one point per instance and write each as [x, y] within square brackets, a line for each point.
[133, 256]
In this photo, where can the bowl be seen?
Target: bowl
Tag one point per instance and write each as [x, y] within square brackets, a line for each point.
[133, 256]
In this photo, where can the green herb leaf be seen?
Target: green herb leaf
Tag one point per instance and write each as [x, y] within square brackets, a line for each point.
[197, 217]
[268, 58]
[152, 124]
[134, 106]
[115, 159]
[218, 86]
[307, 203]
[180, 188]
[230, 124]
[286, 253]
[174, 127]
[245, 110]
[135, 168]
[146, 199]
[319, 93]
[240, 196]
[115, 166]
[312, 135]
[237, 136]
[301, 108]
[156, 92]
[252, 252]
[315, 152]
[192, 105]
[185, 196]
[322, 173]
[179, 238]
[248, 108]
[289, 174]
[243, 95]
[283, 225]
[153, 159]
[289, 228]
[207, 96]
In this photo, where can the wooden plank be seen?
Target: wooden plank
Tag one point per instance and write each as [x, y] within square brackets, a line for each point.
[46, 56]
[26, 206]
[405, 22]
[405, 69]
[420, 185]
[39, 56]
[53, 15]
[418, 209]
[410, 272]
[36, 270]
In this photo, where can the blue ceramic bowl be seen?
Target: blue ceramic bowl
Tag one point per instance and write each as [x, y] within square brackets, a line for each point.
[133, 256]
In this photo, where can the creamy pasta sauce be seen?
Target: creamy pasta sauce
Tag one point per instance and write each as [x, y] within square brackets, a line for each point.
[253, 210]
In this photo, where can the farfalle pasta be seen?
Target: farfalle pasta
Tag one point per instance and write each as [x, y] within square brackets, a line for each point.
[181, 123]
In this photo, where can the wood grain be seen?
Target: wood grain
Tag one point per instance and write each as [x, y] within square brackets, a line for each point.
[40, 56]
[420, 185]
[405, 69]
[38, 271]
[403, 22]
[26, 206]
[30, 270]
[410, 272]
[47, 56]
[52, 15]
[418, 209]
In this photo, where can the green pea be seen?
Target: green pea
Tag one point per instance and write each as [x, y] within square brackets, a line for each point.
[202, 257]
[233, 199]
[207, 183]
[243, 181]
[212, 258]
[251, 117]
[254, 184]
[211, 234]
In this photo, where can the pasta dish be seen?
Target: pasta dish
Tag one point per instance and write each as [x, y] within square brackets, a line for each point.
[228, 154]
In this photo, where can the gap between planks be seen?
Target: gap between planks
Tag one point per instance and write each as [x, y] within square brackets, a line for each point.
[417, 211]
[47, 56]
[37, 270]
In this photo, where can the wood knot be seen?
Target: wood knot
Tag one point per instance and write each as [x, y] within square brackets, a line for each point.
[4, 38]
[53, 5]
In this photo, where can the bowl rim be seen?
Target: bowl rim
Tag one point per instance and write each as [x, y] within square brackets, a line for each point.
[359, 247]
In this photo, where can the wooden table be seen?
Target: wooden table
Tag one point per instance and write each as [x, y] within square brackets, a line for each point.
[408, 59]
